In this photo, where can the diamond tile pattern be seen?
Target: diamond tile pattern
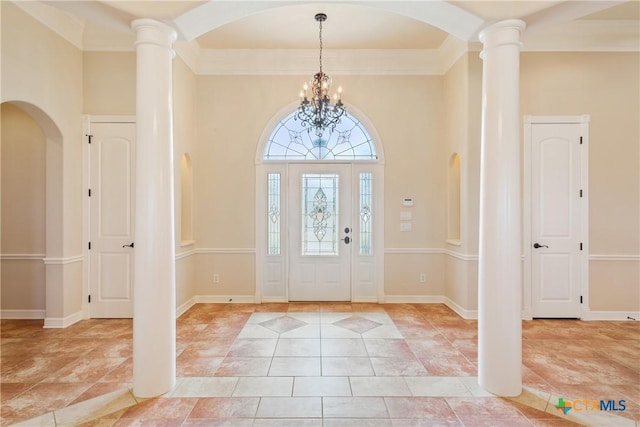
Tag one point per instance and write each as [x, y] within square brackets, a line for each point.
[357, 324]
[283, 324]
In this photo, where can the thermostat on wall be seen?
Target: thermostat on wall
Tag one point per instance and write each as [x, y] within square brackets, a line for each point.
[407, 202]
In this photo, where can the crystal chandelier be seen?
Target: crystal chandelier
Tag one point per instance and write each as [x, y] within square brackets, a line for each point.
[319, 112]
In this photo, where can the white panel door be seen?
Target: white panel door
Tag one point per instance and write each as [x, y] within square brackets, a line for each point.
[320, 232]
[555, 220]
[112, 160]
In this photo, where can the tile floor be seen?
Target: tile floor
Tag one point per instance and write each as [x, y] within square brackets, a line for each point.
[330, 364]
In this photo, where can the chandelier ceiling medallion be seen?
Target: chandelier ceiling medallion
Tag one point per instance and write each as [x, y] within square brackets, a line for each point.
[318, 112]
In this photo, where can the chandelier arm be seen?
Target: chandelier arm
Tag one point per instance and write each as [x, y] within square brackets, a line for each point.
[318, 112]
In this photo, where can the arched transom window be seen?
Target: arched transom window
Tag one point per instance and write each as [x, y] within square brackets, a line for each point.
[291, 141]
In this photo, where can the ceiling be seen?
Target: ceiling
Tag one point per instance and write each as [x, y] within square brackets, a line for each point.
[356, 24]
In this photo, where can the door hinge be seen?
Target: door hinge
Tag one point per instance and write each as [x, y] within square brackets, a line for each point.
[580, 299]
[90, 298]
[91, 136]
[89, 245]
[580, 246]
[580, 140]
[90, 192]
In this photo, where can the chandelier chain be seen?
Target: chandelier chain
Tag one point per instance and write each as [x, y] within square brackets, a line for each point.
[320, 46]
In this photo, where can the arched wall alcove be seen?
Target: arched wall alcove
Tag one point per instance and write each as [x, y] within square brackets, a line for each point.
[43, 298]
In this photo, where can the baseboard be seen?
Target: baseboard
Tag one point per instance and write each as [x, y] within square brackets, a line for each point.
[611, 315]
[183, 308]
[22, 314]
[225, 299]
[267, 300]
[413, 299]
[462, 312]
[62, 322]
[373, 300]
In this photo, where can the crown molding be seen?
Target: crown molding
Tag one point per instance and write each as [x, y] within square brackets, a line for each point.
[575, 36]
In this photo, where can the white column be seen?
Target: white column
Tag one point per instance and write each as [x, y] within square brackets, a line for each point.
[500, 270]
[154, 330]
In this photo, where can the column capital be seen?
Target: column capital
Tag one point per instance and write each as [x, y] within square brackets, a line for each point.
[150, 31]
[502, 33]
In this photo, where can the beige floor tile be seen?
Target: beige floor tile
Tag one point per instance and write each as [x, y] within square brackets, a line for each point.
[295, 366]
[288, 422]
[332, 331]
[204, 387]
[290, 407]
[379, 386]
[436, 386]
[343, 347]
[357, 422]
[346, 366]
[389, 367]
[256, 331]
[321, 386]
[310, 341]
[243, 367]
[298, 347]
[264, 386]
[95, 408]
[253, 347]
[45, 420]
[354, 407]
[309, 331]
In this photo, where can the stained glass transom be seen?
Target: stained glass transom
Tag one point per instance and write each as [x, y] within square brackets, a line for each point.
[273, 214]
[320, 214]
[349, 141]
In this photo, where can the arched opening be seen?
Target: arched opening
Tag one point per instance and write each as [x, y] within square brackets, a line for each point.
[319, 228]
[31, 208]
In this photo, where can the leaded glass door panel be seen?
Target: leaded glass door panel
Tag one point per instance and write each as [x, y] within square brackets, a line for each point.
[320, 232]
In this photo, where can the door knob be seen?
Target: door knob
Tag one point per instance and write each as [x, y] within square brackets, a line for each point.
[130, 245]
[347, 240]
[538, 245]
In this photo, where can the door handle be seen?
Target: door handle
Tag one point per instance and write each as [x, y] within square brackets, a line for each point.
[346, 240]
[538, 245]
[130, 245]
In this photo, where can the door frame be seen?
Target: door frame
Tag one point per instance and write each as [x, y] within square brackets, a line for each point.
[367, 272]
[87, 120]
[583, 121]
[295, 171]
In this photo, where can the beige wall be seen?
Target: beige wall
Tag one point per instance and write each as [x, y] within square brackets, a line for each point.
[421, 121]
[233, 112]
[23, 147]
[109, 85]
[42, 73]
[184, 142]
[605, 86]
[463, 90]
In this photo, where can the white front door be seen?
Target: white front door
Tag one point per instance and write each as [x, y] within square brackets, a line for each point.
[320, 232]
[555, 219]
[112, 159]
